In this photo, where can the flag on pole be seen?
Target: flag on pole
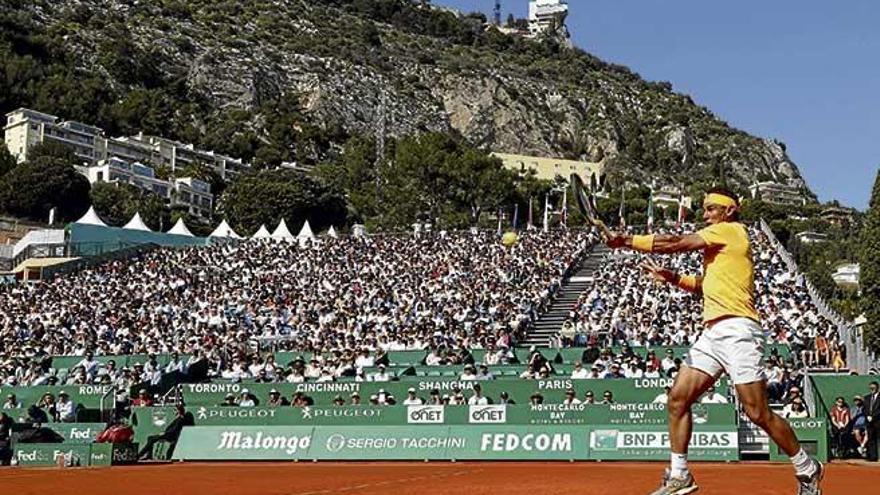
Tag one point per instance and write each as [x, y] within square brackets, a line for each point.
[546, 213]
[682, 212]
[500, 216]
[530, 225]
[515, 215]
[565, 207]
[651, 211]
[52, 216]
[622, 211]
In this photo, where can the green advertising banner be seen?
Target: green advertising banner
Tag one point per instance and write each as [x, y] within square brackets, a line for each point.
[89, 396]
[381, 443]
[78, 432]
[498, 442]
[643, 443]
[490, 442]
[247, 443]
[813, 435]
[46, 454]
[95, 454]
[552, 390]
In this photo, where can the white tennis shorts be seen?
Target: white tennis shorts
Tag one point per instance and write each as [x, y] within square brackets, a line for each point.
[734, 346]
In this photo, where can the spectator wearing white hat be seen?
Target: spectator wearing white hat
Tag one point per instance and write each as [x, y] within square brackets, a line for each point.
[468, 374]
[381, 375]
[412, 399]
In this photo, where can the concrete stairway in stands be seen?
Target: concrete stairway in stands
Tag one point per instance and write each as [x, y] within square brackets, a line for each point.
[549, 323]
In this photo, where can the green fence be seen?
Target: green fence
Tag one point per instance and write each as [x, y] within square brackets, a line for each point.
[477, 442]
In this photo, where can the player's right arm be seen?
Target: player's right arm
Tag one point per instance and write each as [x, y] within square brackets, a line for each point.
[661, 243]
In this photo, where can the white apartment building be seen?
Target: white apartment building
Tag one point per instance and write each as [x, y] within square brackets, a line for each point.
[192, 194]
[176, 155]
[545, 15]
[25, 128]
[777, 193]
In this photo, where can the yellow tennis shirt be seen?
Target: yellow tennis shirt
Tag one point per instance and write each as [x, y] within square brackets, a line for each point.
[728, 272]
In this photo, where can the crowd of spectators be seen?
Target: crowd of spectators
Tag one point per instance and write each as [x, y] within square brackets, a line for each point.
[340, 296]
[625, 306]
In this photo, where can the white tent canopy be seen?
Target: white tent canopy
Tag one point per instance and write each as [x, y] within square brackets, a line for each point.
[224, 230]
[136, 223]
[91, 218]
[332, 233]
[180, 229]
[282, 232]
[306, 231]
[262, 233]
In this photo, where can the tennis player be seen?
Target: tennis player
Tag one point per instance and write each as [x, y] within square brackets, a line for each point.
[732, 342]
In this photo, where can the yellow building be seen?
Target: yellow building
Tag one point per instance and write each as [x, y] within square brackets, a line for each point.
[550, 168]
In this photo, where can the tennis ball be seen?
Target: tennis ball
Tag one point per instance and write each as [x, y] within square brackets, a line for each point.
[509, 239]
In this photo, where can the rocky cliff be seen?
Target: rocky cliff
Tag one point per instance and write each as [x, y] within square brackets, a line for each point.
[351, 64]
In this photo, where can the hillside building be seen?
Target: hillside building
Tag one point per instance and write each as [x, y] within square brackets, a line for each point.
[26, 128]
[192, 194]
[778, 193]
[548, 15]
[551, 168]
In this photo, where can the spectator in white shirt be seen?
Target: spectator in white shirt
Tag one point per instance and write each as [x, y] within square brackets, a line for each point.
[668, 362]
[570, 398]
[484, 373]
[65, 408]
[175, 364]
[796, 409]
[246, 400]
[364, 360]
[11, 402]
[434, 359]
[468, 374]
[664, 397]
[478, 399]
[579, 373]
[411, 399]
[381, 375]
[713, 397]
[89, 364]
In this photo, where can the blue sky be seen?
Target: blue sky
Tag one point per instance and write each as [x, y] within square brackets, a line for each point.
[805, 72]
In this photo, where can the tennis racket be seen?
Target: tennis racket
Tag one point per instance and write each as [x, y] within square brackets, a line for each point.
[586, 204]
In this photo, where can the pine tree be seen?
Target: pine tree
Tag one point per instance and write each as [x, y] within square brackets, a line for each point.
[869, 279]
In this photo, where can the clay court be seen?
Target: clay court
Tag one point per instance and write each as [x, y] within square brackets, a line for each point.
[423, 478]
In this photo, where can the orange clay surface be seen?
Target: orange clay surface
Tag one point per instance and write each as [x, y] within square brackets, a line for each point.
[463, 478]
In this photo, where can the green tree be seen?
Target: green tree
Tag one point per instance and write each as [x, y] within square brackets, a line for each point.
[267, 196]
[47, 180]
[117, 203]
[7, 161]
[869, 278]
